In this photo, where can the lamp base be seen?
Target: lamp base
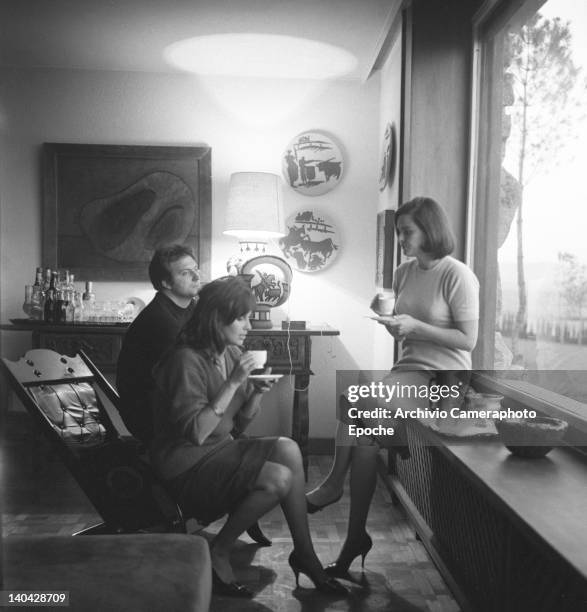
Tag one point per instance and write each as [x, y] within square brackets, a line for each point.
[261, 318]
[256, 324]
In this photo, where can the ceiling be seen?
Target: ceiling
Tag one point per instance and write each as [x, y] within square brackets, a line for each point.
[131, 35]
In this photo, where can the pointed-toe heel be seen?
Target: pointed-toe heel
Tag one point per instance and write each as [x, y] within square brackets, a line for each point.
[329, 586]
[340, 568]
[313, 508]
[229, 589]
[258, 536]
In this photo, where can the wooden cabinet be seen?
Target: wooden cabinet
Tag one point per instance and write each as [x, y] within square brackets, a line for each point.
[285, 353]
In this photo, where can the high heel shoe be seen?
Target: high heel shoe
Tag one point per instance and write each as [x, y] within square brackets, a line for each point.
[340, 568]
[313, 508]
[258, 536]
[229, 589]
[330, 586]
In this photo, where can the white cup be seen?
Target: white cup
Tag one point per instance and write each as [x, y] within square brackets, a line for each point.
[383, 304]
[260, 358]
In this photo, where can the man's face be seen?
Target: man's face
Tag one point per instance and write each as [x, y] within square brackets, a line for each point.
[184, 278]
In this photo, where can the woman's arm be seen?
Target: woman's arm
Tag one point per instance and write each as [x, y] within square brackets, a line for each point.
[184, 380]
[252, 406]
[463, 336]
[212, 414]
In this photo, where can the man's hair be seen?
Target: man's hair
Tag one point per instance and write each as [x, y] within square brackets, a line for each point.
[432, 220]
[220, 302]
[159, 267]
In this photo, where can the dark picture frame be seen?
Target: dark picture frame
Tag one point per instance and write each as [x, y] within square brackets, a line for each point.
[385, 249]
[106, 208]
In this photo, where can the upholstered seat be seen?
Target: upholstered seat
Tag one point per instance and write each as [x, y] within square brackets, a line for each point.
[130, 573]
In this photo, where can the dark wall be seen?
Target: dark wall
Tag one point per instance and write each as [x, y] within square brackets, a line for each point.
[437, 105]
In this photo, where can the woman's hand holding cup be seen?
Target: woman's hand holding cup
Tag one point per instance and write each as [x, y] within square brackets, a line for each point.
[262, 386]
[248, 362]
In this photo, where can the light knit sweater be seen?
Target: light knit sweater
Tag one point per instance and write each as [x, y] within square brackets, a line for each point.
[445, 294]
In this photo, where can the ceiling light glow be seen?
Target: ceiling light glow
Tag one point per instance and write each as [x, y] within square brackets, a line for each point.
[260, 55]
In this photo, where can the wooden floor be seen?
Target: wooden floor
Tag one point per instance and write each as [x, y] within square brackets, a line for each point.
[399, 575]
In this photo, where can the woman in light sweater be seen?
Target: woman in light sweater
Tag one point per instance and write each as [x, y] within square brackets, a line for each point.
[435, 322]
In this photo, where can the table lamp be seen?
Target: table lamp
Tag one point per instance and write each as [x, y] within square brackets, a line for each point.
[254, 215]
[255, 210]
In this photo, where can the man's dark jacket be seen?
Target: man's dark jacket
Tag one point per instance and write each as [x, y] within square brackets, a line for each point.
[154, 330]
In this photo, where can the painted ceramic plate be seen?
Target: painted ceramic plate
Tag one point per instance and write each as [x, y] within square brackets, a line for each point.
[312, 242]
[312, 163]
[387, 157]
[270, 279]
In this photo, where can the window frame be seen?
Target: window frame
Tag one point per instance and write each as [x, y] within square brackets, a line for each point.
[484, 187]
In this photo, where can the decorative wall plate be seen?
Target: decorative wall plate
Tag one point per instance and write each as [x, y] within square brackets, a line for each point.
[270, 279]
[312, 163]
[387, 157]
[312, 242]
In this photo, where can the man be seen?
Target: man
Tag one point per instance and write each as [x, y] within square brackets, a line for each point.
[174, 274]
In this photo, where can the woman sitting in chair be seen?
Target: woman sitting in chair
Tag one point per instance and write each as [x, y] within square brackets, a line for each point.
[202, 394]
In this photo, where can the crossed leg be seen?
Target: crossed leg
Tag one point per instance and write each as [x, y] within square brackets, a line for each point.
[280, 481]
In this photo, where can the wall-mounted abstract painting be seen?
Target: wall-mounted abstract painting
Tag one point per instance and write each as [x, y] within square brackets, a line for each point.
[106, 208]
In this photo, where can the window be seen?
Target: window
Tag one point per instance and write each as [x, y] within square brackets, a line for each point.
[529, 192]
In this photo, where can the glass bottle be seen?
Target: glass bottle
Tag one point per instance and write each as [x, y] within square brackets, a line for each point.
[89, 296]
[60, 307]
[47, 279]
[69, 307]
[89, 300]
[50, 300]
[27, 305]
[37, 299]
[78, 307]
[38, 302]
[61, 279]
[38, 278]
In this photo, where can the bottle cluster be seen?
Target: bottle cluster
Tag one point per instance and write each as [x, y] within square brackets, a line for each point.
[54, 298]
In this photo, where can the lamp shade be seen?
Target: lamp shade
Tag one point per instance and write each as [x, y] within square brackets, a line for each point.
[255, 207]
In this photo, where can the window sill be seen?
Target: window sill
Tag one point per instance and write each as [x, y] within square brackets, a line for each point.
[537, 398]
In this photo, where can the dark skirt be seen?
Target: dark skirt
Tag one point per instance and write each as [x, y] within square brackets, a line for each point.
[220, 480]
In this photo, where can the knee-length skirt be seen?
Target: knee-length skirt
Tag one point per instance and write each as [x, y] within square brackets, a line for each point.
[216, 484]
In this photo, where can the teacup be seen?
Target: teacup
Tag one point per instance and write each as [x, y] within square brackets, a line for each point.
[260, 358]
[383, 304]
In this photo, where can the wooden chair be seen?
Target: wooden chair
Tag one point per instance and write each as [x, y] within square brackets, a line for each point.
[62, 394]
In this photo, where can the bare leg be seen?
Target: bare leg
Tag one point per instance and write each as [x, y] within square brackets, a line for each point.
[281, 480]
[331, 487]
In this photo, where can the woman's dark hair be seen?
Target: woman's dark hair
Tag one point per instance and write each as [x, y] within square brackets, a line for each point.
[159, 266]
[432, 220]
[220, 302]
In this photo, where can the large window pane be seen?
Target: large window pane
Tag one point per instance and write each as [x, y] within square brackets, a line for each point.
[535, 64]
